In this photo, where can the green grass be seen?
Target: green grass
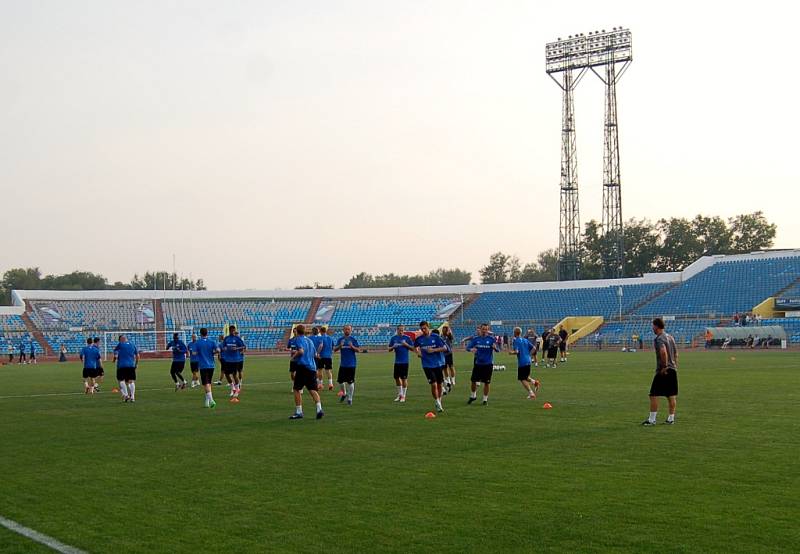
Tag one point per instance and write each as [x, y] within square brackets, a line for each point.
[166, 475]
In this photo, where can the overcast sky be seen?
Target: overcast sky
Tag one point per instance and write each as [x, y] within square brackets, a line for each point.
[275, 143]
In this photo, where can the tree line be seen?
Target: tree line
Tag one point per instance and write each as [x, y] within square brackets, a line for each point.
[666, 245]
[31, 278]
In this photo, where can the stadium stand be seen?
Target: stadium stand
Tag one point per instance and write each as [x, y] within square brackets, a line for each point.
[12, 332]
[790, 324]
[262, 323]
[726, 287]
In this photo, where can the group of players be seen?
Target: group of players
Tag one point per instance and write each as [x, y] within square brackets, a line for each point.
[23, 358]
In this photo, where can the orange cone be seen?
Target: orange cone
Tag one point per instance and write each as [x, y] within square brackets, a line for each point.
[547, 406]
[115, 389]
[430, 415]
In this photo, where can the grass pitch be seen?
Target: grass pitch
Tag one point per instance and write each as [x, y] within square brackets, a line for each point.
[166, 475]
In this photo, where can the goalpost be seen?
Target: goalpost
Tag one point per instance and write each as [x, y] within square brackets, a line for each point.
[146, 342]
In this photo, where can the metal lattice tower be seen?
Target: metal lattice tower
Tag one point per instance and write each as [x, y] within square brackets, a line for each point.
[569, 229]
[613, 52]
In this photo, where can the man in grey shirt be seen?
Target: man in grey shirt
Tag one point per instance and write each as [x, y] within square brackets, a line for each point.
[665, 381]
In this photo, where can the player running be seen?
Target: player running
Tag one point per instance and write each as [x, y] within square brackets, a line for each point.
[400, 344]
[326, 355]
[221, 360]
[179, 349]
[430, 349]
[126, 357]
[449, 366]
[90, 357]
[205, 349]
[232, 347]
[484, 347]
[291, 346]
[240, 360]
[348, 346]
[192, 348]
[523, 348]
[317, 340]
[305, 376]
[551, 341]
[101, 372]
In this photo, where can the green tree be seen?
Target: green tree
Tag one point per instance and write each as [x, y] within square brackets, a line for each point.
[77, 280]
[498, 268]
[751, 232]
[161, 280]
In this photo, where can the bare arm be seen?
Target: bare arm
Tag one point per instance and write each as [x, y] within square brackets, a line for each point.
[662, 355]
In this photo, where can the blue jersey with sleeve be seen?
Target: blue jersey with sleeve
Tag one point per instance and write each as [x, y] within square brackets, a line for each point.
[348, 354]
[126, 354]
[485, 346]
[205, 349]
[430, 360]
[523, 347]
[178, 350]
[306, 359]
[327, 347]
[90, 356]
[192, 348]
[229, 348]
[317, 340]
[400, 352]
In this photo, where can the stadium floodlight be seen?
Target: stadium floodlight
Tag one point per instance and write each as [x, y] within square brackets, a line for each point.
[579, 51]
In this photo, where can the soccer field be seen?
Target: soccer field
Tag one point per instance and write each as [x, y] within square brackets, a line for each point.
[167, 475]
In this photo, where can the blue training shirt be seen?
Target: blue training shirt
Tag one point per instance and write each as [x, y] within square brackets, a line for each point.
[486, 349]
[192, 348]
[126, 354]
[179, 350]
[90, 356]
[306, 359]
[317, 340]
[430, 360]
[229, 346]
[523, 347]
[401, 352]
[206, 348]
[327, 347]
[348, 354]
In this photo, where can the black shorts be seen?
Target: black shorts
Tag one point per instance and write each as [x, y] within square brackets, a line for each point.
[562, 347]
[90, 372]
[448, 360]
[552, 352]
[193, 366]
[239, 365]
[665, 384]
[305, 378]
[228, 368]
[346, 375]
[401, 371]
[327, 363]
[482, 373]
[177, 366]
[100, 371]
[126, 374]
[523, 372]
[33, 356]
[434, 374]
[206, 375]
[293, 367]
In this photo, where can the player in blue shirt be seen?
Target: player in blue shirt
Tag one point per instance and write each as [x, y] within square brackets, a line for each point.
[304, 356]
[32, 358]
[232, 353]
[326, 355]
[449, 365]
[523, 349]
[90, 357]
[240, 361]
[483, 346]
[22, 359]
[430, 349]
[221, 360]
[291, 346]
[101, 373]
[127, 358]
[179, 349]
[317, 340]
[204, 350]
[401, 344]
[348, 346]
[191, 347]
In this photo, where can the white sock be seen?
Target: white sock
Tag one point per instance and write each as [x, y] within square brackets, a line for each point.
[437, 403]
[298, 410]
[447, 380]
[123, 388]
[473, 394]
[652, 418]
[330, 382]
[402, 391]
[671, 417]
[485, 397]
[132, 388]
[452, 380]
[352, 388]
[319, 407]
[399, 390]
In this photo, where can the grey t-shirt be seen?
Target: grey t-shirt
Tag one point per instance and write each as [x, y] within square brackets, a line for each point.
[665, 340]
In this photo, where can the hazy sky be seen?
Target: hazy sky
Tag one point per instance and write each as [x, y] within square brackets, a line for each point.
[275, 143]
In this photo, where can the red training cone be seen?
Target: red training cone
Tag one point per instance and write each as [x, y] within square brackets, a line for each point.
[547, 406]
[430, 415]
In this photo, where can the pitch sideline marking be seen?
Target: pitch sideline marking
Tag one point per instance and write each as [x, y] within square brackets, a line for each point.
[39, 537]
[137, 390]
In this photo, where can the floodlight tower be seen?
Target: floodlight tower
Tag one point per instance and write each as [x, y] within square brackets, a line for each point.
[613, 52]
[565, 57]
